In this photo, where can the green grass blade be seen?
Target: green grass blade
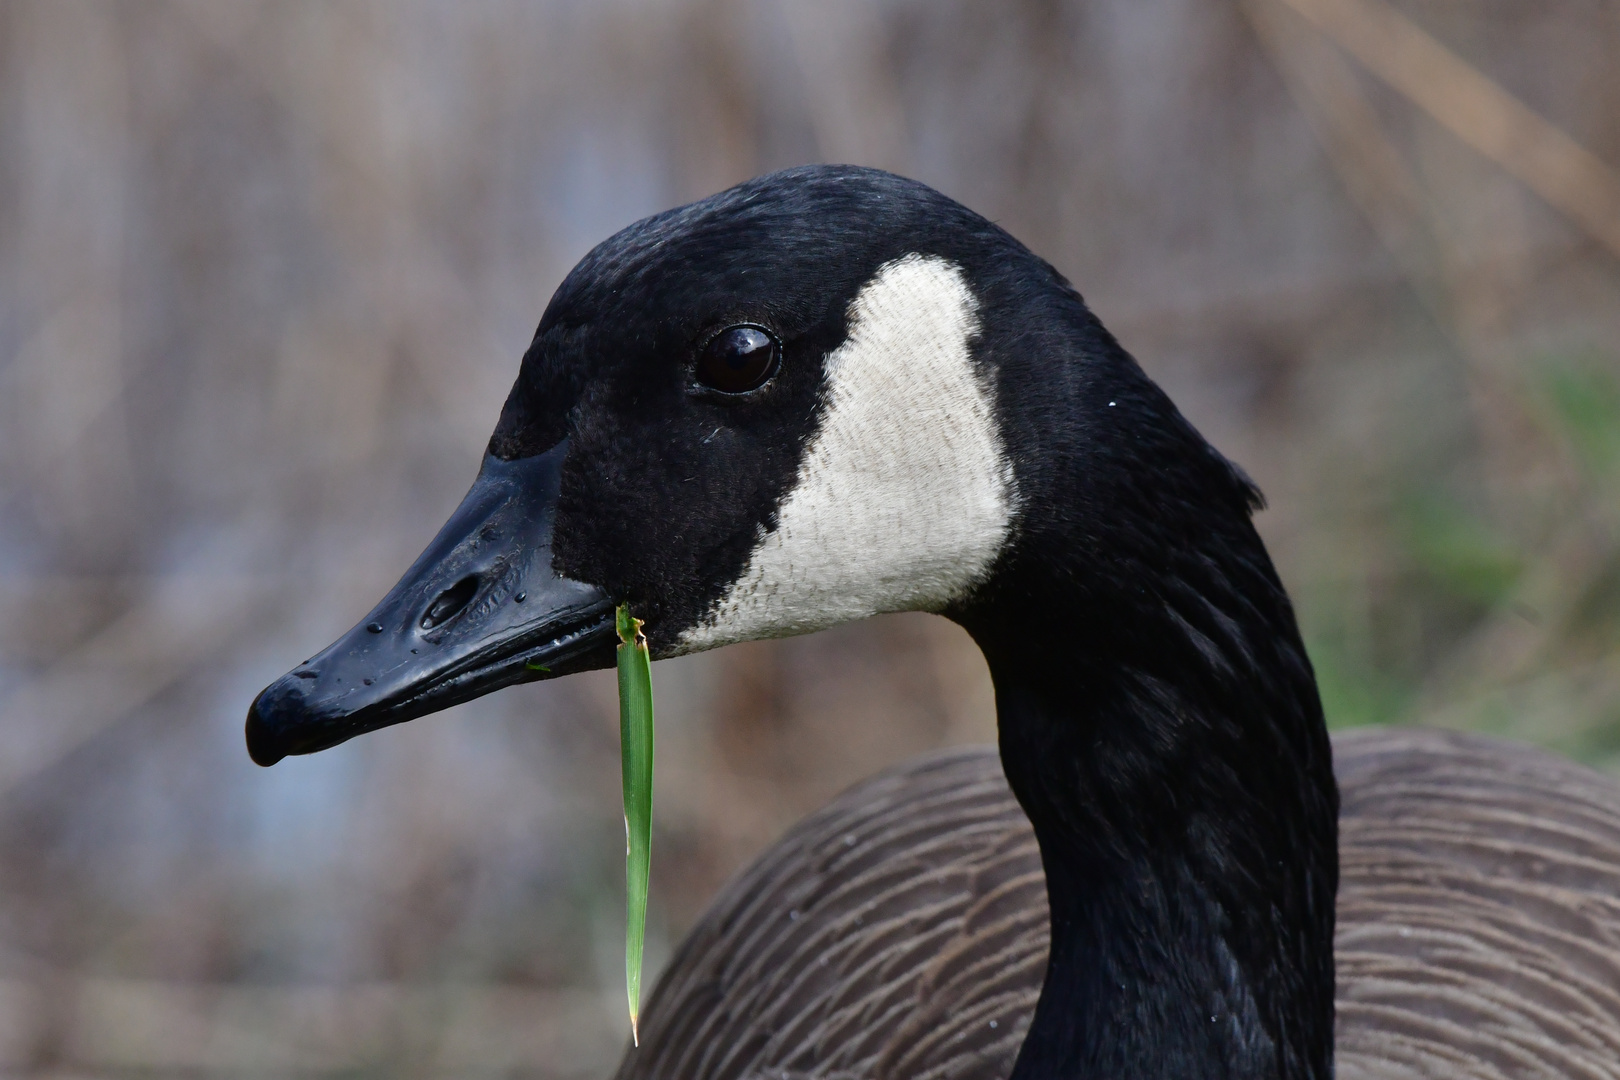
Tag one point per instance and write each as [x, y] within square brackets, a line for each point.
[636, 757]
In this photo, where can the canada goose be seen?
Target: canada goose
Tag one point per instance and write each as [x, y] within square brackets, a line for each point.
[832, 392]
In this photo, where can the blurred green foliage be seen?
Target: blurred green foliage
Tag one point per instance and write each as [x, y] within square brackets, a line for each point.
[1488, 596]
[1460, 554]
[1584, 394]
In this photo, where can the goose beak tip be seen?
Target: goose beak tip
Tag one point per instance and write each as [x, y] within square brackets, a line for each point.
[263, 746]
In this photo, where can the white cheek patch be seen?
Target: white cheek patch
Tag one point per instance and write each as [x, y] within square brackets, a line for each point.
[903, 498]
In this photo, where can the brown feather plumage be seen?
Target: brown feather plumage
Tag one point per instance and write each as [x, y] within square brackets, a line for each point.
[902, 930]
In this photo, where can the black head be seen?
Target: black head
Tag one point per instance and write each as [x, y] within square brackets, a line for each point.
[822, 394]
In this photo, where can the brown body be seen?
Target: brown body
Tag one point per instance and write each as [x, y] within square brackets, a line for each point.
[902, 931]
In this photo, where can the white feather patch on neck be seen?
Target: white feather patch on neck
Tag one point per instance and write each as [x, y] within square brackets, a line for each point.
[904, 496]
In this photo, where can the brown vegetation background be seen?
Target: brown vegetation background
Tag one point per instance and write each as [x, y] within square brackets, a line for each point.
[266, 271]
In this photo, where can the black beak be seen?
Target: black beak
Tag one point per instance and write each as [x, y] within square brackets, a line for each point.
[479, 610]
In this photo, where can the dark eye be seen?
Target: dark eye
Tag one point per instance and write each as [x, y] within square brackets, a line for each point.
[737, 360]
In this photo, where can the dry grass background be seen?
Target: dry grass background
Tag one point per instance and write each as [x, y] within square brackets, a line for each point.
[266, 270]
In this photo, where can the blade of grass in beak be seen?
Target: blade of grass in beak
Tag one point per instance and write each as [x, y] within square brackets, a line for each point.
[636, 757]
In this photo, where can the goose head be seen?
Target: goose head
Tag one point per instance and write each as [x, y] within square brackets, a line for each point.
[764, 414]
[832, 392]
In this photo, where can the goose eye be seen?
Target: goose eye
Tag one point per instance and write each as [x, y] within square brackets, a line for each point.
[738, 359]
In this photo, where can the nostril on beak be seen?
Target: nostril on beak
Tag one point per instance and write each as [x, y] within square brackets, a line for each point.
[449, 602]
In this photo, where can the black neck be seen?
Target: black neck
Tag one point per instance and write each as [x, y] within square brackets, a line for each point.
[1161, 727]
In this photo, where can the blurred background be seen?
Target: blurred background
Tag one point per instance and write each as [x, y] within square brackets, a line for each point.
[266, 271]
